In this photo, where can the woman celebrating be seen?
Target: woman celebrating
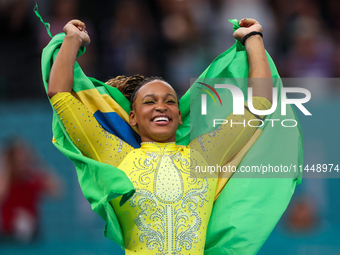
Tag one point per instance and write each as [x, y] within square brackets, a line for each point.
[170, 210]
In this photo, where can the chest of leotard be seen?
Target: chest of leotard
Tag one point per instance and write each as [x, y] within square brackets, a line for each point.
[170, 210]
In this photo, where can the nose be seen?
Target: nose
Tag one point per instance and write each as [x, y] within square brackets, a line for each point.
[161, 107]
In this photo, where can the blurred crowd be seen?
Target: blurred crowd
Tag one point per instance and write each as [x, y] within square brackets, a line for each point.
[24, 181]
[176, 39]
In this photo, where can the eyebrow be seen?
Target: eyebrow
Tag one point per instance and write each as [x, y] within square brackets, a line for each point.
[153, 95]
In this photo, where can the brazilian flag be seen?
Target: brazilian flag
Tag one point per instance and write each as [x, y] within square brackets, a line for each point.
[247, 208]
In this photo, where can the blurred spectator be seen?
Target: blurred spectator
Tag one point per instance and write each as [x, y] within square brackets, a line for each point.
[307, 46]
[62, 12]
[130, 41]
[312, 49]
[185, 34]
[18, 51]
[22, 183]
[302, 216]
[239, 9]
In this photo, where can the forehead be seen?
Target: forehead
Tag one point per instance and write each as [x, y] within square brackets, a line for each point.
[157, 88]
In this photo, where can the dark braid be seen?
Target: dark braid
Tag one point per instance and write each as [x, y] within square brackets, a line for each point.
[126, 85]
[129, 86]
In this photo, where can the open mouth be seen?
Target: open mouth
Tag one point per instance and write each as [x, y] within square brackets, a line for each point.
[161, 119]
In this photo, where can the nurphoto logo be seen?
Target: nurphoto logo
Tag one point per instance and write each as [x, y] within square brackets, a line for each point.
[238, 104]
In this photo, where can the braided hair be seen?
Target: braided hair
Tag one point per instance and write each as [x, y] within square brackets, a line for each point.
[126, 85]
[129, 86]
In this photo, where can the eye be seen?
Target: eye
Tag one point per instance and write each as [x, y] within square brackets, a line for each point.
[171, 101]
[148, 102]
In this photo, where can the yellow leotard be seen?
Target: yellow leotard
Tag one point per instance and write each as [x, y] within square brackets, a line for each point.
[170, 210]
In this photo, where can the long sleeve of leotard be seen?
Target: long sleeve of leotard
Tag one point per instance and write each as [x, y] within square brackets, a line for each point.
[220, 145]
[86, 133]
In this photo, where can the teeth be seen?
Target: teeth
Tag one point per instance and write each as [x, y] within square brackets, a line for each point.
[161, 119]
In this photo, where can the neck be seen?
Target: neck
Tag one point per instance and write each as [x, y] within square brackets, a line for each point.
[148, 140]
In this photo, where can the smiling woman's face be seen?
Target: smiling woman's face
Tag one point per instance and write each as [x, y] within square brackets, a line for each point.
[155, 112]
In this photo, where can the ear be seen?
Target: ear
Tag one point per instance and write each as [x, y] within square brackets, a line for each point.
[180, 118]
[132, 118]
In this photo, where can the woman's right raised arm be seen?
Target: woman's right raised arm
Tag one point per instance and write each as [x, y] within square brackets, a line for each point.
[62, 71]
[82, 127]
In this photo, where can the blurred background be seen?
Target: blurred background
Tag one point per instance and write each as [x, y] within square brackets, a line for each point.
[176, 40]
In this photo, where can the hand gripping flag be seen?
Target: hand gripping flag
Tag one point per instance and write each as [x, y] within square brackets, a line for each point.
[247, 209]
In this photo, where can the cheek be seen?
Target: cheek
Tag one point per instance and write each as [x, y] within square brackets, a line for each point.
[175, 113]
[142, 115]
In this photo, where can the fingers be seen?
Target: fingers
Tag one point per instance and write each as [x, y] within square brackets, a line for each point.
[247, 22]
[247, 26]
[76, 23]
[81, 25]
[76, 28]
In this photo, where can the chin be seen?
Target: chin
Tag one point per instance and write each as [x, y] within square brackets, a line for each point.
[163, 137]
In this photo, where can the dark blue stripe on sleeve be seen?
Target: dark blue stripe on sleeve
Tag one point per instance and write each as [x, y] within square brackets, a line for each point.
[114, 124]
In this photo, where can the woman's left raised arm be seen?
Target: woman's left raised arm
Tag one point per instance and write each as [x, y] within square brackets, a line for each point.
[260, 78]
[222, 144]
